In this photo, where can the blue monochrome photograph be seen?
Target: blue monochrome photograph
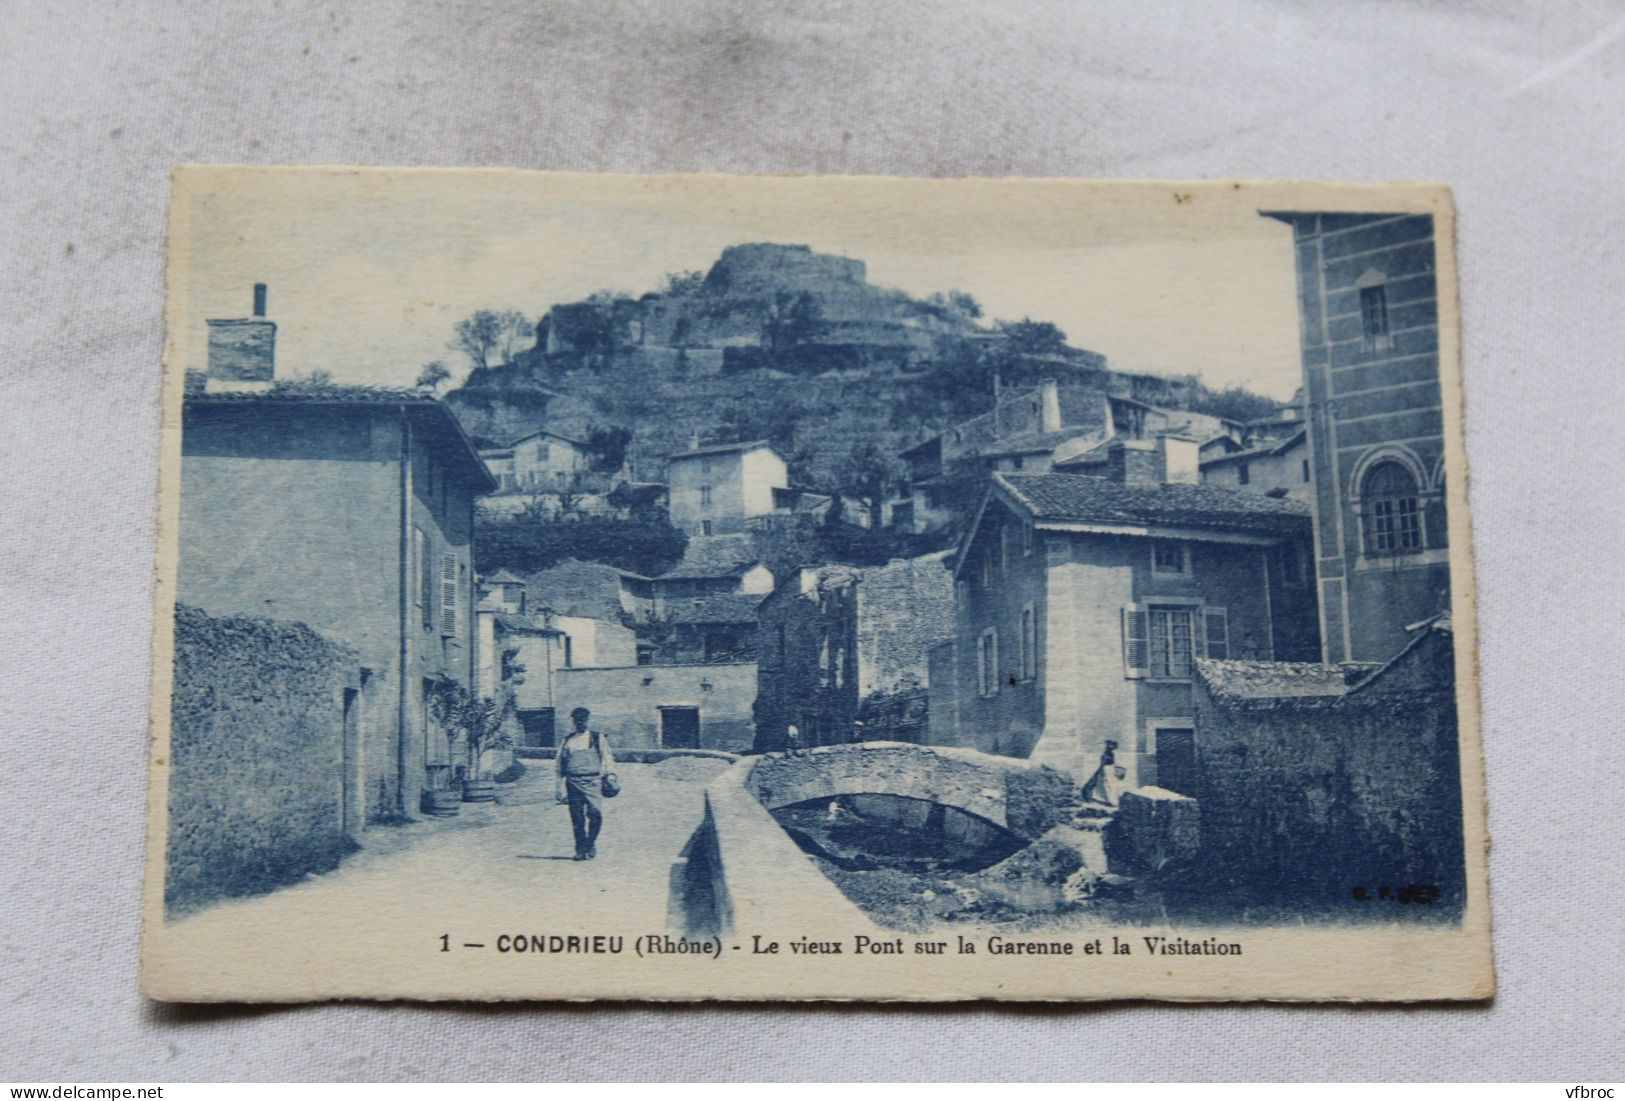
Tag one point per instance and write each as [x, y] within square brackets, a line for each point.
[788, 588]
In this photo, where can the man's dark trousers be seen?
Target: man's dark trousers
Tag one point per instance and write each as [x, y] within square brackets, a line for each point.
[585, 818]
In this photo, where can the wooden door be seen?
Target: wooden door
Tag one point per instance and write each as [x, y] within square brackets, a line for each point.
[680, 727]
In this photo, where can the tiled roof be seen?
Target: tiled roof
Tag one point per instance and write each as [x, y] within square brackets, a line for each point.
[720, 449]
[715, 608]
[1240, 680]
[1083, 451]
[1028, 443]
[549, 433]
[504, 576]
[714, 556]
[420, 401]
[591, 590]
[1082, 499]
[317, 393]
[799, 500]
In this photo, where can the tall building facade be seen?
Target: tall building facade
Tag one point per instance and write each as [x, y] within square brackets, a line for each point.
[1368, 309]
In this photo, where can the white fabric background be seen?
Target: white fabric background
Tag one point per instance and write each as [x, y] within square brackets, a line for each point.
[1521, 106]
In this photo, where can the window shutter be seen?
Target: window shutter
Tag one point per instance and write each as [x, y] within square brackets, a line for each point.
[1136, 651]
[1217, 623]
[424, 578]
[448, 594]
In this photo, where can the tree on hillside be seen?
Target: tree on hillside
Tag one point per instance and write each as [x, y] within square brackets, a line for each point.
[965, 303]
[1235, 403]
[868, 472]
[488, 334]
[1033, 338]
[682, 283]
[643, 503]
[434, 375]
[607, 447]
[955, 302]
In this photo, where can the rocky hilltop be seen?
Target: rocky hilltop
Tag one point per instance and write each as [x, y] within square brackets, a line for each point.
[775, 341]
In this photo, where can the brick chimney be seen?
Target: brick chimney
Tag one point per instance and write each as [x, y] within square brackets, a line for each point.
[242, 351]
[1168, 459]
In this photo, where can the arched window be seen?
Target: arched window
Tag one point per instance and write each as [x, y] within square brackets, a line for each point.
[1393, 522]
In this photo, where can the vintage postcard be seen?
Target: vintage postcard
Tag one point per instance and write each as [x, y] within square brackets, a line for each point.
[694, 587]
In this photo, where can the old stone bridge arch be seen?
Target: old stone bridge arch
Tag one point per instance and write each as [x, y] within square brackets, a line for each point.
[1023, 798]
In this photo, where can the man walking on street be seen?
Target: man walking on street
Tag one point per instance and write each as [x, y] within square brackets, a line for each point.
[583, 760]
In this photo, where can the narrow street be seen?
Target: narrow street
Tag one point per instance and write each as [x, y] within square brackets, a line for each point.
[517, 851]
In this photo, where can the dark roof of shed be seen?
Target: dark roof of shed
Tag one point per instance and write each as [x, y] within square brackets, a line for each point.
[714, 556]
[721, 449]
[572, 441]
[921, 446]
[1080, 498]
[715, 608]
[419, 403]
[525, 623]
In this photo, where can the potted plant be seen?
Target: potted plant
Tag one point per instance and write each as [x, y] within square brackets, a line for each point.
[439, 797]
[482, 724]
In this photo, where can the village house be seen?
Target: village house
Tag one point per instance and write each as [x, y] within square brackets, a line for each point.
[689, 676]
[1030, 432]
[803, 507]
[704, 608]
[542, 462]
[1082, 602]
[525, 646]
[1276, 467]
[661, 662]
[1368, 302]
[1286, 422]
[348, 510]
[594, 590]
[677, 705]
[1355, 753]
[842, 651]
[718, 488]
[716, 565]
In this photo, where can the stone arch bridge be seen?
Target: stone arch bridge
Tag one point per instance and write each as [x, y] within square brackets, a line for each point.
[1022, 798]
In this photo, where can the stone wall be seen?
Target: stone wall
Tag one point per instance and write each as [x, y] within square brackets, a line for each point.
[257, 756]
[904, 608]
[627, 703]
[1311, 797]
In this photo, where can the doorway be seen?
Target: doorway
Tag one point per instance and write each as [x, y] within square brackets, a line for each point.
[680, 727]
[538, 727]
[1176, 760]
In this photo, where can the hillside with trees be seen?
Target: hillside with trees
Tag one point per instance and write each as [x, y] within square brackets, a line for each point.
[780, 343]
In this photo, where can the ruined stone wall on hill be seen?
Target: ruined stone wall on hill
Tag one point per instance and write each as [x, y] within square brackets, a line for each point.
[744, 269]
[904, 609]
